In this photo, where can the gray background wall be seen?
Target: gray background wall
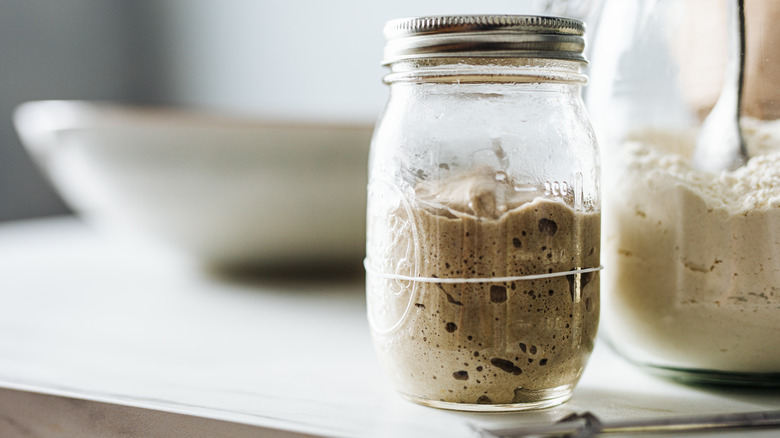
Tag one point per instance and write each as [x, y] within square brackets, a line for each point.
[283, 59]
[86, 49]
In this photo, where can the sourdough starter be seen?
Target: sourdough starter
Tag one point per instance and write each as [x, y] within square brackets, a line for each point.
[693, 259]
[490, 342]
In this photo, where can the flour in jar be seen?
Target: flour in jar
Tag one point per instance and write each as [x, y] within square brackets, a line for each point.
[491, 342]
[694, 258]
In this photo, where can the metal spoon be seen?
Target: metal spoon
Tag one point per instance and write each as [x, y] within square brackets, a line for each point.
[587, 425]
[720, 145]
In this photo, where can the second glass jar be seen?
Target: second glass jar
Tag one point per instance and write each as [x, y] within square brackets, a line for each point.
[691, 289]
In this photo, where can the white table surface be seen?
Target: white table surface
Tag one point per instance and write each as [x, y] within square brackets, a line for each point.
[87, 317]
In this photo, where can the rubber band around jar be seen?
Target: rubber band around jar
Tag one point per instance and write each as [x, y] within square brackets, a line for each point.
[449, 280]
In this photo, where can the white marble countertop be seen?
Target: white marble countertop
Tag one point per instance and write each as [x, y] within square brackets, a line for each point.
[89, 318]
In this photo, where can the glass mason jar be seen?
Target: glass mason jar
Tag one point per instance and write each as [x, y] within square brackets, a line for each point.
[692, 286]
[484, 213]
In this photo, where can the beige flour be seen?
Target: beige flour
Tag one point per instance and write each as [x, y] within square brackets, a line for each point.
[693, 259]
[492, 342]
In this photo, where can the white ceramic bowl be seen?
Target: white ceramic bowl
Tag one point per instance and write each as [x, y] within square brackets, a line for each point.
[235, 193]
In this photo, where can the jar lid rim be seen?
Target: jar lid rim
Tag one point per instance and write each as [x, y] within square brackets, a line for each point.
[469, 23]
[513, 35]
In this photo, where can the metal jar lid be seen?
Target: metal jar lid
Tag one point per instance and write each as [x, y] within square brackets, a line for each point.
[492, 36]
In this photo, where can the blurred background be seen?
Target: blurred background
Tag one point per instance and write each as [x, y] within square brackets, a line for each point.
[295, 59]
